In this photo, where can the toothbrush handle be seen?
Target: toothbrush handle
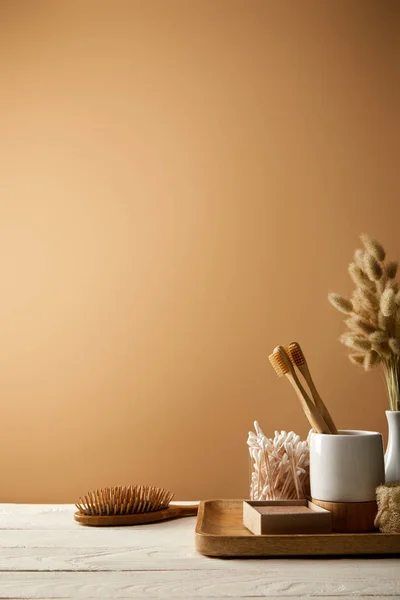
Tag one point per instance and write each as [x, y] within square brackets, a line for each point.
[319, 403]
[315, 419]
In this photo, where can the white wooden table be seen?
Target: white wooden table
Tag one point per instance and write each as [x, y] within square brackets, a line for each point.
[45, 554]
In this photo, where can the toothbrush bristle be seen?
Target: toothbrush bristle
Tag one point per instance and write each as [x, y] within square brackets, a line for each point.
[278, 363]
[296, 354]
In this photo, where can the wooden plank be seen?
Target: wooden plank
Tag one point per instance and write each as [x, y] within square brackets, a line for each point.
[146, 557]
[319, 581]
[43, 520]
[20, 507]
[102, 537]
[150, 558]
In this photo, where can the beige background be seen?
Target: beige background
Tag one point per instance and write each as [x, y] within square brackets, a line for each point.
[182, 183]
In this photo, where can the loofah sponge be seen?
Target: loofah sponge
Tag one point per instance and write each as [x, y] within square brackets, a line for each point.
[388, 516]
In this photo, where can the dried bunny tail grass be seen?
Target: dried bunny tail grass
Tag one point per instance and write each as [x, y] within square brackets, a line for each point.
[371, 359]
[391, 369]
[382, 283]
[383, 349]
[355, 342]
[357, 305]
[365, 305]
[391, 269]
[382, 321]
[394, 344]
[379, 342]
[373, 268]
[357, 359]
[359, 277]
[345, 337]
[392, 284]
[343, 304]
[359, 257]
[359, 325]
[378, 337]
[368, 298]
[388, 302]
[352, 325]
[374, 314]
[373, 247]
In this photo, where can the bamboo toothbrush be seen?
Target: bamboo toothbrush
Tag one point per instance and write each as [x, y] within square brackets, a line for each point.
[280, 361]
[129, 505]
[298, 359]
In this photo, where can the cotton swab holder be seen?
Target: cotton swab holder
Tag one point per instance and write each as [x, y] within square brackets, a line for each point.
[279, 466]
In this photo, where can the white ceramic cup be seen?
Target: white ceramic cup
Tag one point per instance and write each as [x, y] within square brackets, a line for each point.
[347, 467]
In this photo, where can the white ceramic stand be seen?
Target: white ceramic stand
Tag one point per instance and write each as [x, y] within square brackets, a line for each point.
[392, 456]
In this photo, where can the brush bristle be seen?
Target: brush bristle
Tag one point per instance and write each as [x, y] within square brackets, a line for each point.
[278, 363]
[296, 354]
[124, 500]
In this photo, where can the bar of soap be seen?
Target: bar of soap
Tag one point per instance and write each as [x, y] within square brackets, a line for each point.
[287, 510]
[277, 517]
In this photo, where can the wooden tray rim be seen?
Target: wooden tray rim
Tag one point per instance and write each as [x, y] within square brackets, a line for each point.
[201, 535]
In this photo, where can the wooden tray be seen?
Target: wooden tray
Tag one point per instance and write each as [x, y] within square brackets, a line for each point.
[220, 532]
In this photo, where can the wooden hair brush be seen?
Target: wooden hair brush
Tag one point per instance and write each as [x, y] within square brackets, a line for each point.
[129, 505]
[298, 359]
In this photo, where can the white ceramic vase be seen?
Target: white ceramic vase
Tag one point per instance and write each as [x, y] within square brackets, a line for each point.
[347, 467]
[392, 456]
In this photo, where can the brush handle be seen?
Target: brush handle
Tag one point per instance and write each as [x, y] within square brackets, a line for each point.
[315, 419]
[173, 511]
[189, 510]
[319, 403]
